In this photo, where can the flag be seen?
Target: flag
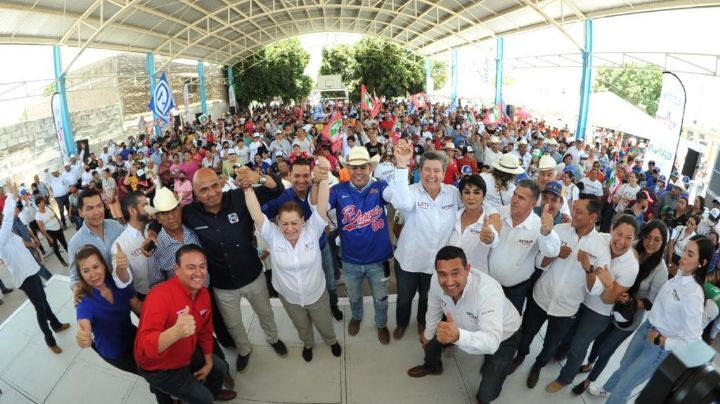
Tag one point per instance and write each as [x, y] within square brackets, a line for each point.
[613, 182]
[186, 100]
[231, 96]
[418, 100]
[162, 100]
[331, 131]
[376, 106]
[494, 115]
[318, 111]
[366, 101]
[471, 118]
[395, 131]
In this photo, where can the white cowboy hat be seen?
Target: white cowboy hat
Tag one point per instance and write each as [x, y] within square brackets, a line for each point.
[494, 139]
[546, 163]
[508, 164]
[359, 156]
[552, 141]
[523, 141]
[164, 201]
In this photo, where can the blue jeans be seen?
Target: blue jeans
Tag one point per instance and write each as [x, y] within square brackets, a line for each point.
[532, 321]
[375, 274]
[604, 347]
[63, 203]
[590, 324]
[641, 360]
[329, 270]
[407, 284]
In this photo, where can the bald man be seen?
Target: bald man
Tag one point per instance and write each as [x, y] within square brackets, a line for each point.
[225, 229]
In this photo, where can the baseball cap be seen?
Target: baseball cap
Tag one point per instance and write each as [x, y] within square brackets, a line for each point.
[553, 187]
[662, 178]
[468, 149]
[278, 153]
[256, 134]
[232, 151]
[715, 214]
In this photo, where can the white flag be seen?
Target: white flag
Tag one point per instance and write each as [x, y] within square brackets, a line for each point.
[670, 112]
[231, 96]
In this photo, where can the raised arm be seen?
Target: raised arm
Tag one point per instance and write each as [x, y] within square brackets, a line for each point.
[323, 189]
[253, 206]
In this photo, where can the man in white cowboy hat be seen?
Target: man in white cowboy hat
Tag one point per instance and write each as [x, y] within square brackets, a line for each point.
[429, 204]
[547, 172]
[365, 238]
[522, 154]
[224, 226]
[504, 170]
[174, 234]
[492, 151]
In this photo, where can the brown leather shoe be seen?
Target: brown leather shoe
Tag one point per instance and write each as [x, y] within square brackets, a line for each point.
[399, 332]
[422, 371]
[354, 327]
[229, 382]
[62, 327]
[225, 395]
[56, 349]
[384, 335]
[533, 377]
[554, 387]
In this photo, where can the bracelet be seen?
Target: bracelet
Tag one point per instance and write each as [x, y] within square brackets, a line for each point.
[657, 340]
[591, 270]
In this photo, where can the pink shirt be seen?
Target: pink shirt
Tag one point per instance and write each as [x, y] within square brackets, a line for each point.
[189, 168]
[185, 189]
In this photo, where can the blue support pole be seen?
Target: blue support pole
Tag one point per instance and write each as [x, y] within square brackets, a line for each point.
[68, 138]
[586, 82]
[201, 84]
[150, 62]
[428, 75]
[454, 77]
[499, 73]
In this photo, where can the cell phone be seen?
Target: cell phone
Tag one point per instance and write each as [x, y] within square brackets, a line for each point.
[150, 246]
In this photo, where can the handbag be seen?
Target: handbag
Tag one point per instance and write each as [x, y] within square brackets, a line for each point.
[624, 313]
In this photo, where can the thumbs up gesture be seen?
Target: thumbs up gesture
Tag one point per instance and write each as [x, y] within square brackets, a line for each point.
[83, 338]
[486, 234]
[185, 325]
[121, 259]
[546, 220]
[447, 331]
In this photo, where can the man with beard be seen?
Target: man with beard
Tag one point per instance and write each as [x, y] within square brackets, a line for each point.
[131, 251]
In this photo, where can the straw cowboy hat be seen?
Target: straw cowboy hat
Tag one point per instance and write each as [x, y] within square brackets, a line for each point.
[164, 201]
[359, 156]
[508, 164]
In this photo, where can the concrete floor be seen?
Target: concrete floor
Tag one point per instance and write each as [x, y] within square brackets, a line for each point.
[366, 373]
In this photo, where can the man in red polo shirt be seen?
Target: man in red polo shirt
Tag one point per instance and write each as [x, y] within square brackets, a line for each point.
[174, 344]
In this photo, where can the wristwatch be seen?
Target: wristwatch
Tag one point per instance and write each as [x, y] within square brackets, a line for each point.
[262, 180]
[591, 270]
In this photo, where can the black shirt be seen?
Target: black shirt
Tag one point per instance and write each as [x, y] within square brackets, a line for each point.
[227, 237]
[373, 149]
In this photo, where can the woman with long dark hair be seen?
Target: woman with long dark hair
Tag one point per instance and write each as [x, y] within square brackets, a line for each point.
[103, 311]
[674, 322]
[652, 274]
[51, 228]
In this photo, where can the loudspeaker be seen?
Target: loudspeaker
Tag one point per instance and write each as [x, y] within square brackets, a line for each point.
[692, 159]
[510, 112]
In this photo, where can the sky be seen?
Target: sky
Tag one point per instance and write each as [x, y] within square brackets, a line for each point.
[21, 84]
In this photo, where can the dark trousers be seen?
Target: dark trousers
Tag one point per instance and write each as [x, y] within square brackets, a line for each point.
[532, 322]
[126, 362]
[35, 229]
[33, 288]
[63, 203]
[494, 369]
[58, 238]
[407, 284]
[181, 384]
[604, 347]
[517, 294]
[589, 325]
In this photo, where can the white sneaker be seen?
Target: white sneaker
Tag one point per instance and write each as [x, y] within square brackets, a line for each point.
[596, 391]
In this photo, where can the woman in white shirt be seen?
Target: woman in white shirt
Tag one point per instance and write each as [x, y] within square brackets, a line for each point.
[626, 193]
[571, 192]
[298, 276]
[501, 182]
[678, 240]
[50, 227]
[468, 231]
[675, 321]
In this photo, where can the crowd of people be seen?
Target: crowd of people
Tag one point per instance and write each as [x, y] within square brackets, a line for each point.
[497, 227]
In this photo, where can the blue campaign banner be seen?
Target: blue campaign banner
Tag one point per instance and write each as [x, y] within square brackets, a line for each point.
[162, 101]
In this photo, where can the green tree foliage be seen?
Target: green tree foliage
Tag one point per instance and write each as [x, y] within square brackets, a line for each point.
[383, 67]
[639, 85]
[439, 74]
[386, 68]
[275, 71]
